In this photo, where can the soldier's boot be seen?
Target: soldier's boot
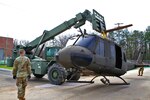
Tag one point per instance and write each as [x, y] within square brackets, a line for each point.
[21, 98]
[139, 72]
[142, 72]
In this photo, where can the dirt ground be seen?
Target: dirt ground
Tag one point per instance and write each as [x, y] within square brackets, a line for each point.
[41, 89]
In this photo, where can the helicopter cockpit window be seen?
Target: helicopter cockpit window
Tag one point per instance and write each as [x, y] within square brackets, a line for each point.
[87, 42]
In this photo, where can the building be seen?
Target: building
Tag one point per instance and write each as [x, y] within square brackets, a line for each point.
[6, 46]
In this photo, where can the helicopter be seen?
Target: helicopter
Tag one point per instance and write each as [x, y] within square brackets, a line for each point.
[93, 52]
[87, 51]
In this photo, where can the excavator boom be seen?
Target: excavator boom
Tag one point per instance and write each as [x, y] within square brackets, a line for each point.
[78, 21]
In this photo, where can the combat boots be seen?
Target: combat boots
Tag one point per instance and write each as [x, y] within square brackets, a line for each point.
[141, 70]
[21, 98]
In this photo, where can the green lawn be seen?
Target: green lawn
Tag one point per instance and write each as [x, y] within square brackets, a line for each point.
[5, 67]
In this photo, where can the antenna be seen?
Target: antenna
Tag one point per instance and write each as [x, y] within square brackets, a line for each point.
[118, 24]
[80, 30]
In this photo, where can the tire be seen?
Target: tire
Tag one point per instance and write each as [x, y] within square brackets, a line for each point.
[56, 74]
[76, 77]
[38, 75]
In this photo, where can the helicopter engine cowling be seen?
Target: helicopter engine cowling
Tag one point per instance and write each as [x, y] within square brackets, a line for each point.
[74, 56]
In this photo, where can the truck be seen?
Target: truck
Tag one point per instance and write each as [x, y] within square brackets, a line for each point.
[40, 66]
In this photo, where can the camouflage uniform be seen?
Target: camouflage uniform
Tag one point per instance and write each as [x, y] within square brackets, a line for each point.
[141, 70]
[21, 69]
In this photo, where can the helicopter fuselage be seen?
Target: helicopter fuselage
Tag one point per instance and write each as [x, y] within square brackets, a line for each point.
[102, 56]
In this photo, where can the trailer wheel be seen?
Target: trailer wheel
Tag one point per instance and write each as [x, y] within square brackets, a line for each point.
[56, 74]
[75, 77]
[38, 75]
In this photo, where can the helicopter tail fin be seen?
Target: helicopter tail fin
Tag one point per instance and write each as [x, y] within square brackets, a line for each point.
[139, 61]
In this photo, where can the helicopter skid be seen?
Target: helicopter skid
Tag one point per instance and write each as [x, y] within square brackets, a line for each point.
[83, 81]
[107, 82]
[119, 84]
[104, 80]
[80, 81]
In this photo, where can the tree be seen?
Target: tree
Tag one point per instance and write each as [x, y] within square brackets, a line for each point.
[123, 38]
[130, 41]
[147, 43]
[60, 41]
[20, 42]
[137, 42]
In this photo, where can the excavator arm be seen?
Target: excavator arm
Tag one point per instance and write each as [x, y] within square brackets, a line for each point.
[96, 19]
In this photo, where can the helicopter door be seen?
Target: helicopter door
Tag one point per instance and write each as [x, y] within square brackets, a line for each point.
[99, 53]
[112, 55]
[118, 57]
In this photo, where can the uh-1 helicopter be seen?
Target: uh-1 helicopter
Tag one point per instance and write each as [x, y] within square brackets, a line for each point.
[98, 54]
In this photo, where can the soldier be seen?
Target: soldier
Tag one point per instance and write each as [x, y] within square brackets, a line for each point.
[21, 72]
[141, 70]
[140, 61]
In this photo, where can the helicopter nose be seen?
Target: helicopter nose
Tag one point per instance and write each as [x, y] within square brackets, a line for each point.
[80, 59]
[74, 56]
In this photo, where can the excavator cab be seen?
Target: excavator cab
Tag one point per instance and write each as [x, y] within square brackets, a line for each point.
[50, 52]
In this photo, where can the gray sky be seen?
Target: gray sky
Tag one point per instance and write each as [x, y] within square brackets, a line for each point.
[27, 19]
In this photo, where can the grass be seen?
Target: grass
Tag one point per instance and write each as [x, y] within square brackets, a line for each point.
[6, 67]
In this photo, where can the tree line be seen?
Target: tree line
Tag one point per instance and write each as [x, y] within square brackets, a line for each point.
[132, 42]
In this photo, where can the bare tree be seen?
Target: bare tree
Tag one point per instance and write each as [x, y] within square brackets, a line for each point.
[23, 42]
[60, 41]
[20, 42]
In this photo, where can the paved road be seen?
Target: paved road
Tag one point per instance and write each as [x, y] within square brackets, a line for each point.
[5, 78]
[40, 89]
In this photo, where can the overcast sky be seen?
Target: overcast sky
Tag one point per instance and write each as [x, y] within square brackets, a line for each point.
[27, 19]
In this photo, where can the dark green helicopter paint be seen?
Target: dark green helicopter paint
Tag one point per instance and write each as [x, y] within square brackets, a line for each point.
[104, 57]
[94, 53]
[91, 51]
